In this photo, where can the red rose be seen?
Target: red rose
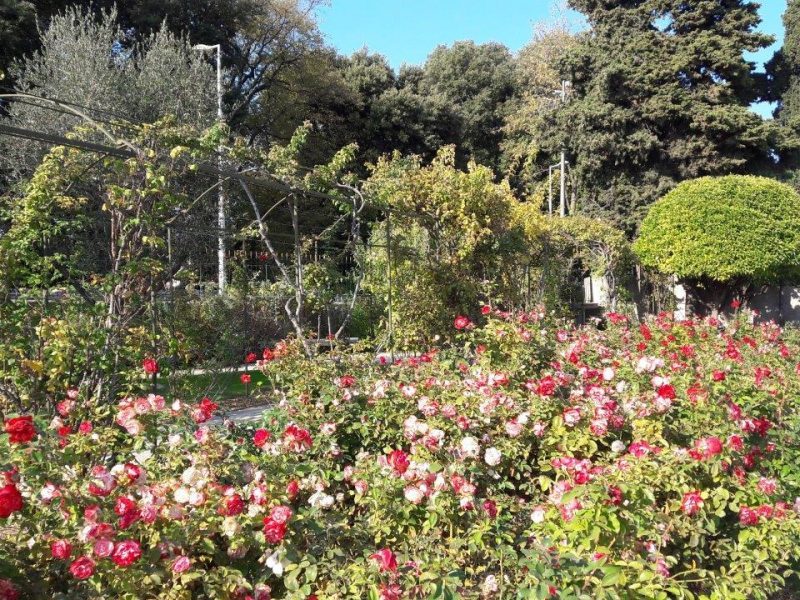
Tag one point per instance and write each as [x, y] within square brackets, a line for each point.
[706, 447]
[85, 427]
[126, 553]
[346, 381]
[82, 568]
[208, 405]
[20, 430]
[486, 309]
[102, 482]
[718, 375]
[614, 495]
[60, 549]
[8, 590]
[281, 514]
[666, 391]
[274, 531]
[250, 358]
[398, 460]
[691, 503]
[10, 500]
[747, 516]
[261, 437]
[385, 559]
[128, 511]
[462, 322]
[735, 442]
[204, 410]
[231, 505]
[150, 366]
[132, 472]
[292, 489]
[547, 386]
[297, 439]
[245, 377]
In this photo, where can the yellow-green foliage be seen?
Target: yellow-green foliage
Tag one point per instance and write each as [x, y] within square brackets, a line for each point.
[457, 238]
[602, 248]
[724, 228]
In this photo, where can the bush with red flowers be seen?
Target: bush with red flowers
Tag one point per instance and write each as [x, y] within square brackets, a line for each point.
[20, 430]
[535, 460]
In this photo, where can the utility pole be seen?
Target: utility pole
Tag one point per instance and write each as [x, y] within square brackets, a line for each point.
[550, 182]
[562, 209]
[221, 202]
[563, 164]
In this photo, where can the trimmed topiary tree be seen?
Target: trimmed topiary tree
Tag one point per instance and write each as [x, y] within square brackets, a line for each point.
[723, 237]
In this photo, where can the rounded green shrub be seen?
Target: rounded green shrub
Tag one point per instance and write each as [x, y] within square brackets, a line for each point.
[724, 229]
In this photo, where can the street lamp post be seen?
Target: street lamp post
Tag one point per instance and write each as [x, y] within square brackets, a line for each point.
[221, 203]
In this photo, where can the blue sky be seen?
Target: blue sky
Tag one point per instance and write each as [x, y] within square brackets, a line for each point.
[405, 31]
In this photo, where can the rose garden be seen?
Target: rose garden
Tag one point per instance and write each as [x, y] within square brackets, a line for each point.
[425, 334]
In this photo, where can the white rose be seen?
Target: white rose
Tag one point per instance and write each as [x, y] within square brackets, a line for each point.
[492, 457]
[617, 446]
[470, 447]
[537, 516]
[181, 495]
[413, 494]
[274, 563]
[490, 584]
[230, 526]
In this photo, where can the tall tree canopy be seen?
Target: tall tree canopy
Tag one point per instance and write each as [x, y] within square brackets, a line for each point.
[80, 60]
[476, 80]
[17, 21]
[538, 67]
[263, 41]
[661, 93]
[783, 73]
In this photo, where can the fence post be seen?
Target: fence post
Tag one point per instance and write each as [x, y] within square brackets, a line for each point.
[389, 278]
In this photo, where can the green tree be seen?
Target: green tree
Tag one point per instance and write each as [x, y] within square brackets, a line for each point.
[783, 73]
[539, 76]
[477, 81]
[724, 236]
[457, 238]
[263, 41]
[17, 22]
[382, 111]
[661, 93]
[80, 61]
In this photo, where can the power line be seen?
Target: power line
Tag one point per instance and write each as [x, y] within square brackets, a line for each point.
[205, 168]
[13, 93]
[57, 140]
[73, 115]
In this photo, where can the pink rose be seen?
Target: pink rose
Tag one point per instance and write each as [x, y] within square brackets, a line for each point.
[82, 568]
[181, 564]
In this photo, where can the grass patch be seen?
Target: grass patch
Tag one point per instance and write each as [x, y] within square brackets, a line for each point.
[216, 385]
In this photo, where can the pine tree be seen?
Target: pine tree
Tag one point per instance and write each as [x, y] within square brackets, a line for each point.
[783, 74]
[661, 93]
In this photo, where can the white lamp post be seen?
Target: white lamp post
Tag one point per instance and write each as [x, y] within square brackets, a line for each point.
[221, 208]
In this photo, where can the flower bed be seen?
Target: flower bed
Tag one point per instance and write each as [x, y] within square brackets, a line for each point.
[534, 461]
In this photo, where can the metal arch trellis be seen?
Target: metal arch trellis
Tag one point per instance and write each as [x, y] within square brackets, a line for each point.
[124, 149]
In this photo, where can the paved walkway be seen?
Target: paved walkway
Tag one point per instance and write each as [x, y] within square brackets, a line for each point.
[243, 415]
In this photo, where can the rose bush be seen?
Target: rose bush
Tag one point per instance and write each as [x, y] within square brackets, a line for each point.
[533, 460]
